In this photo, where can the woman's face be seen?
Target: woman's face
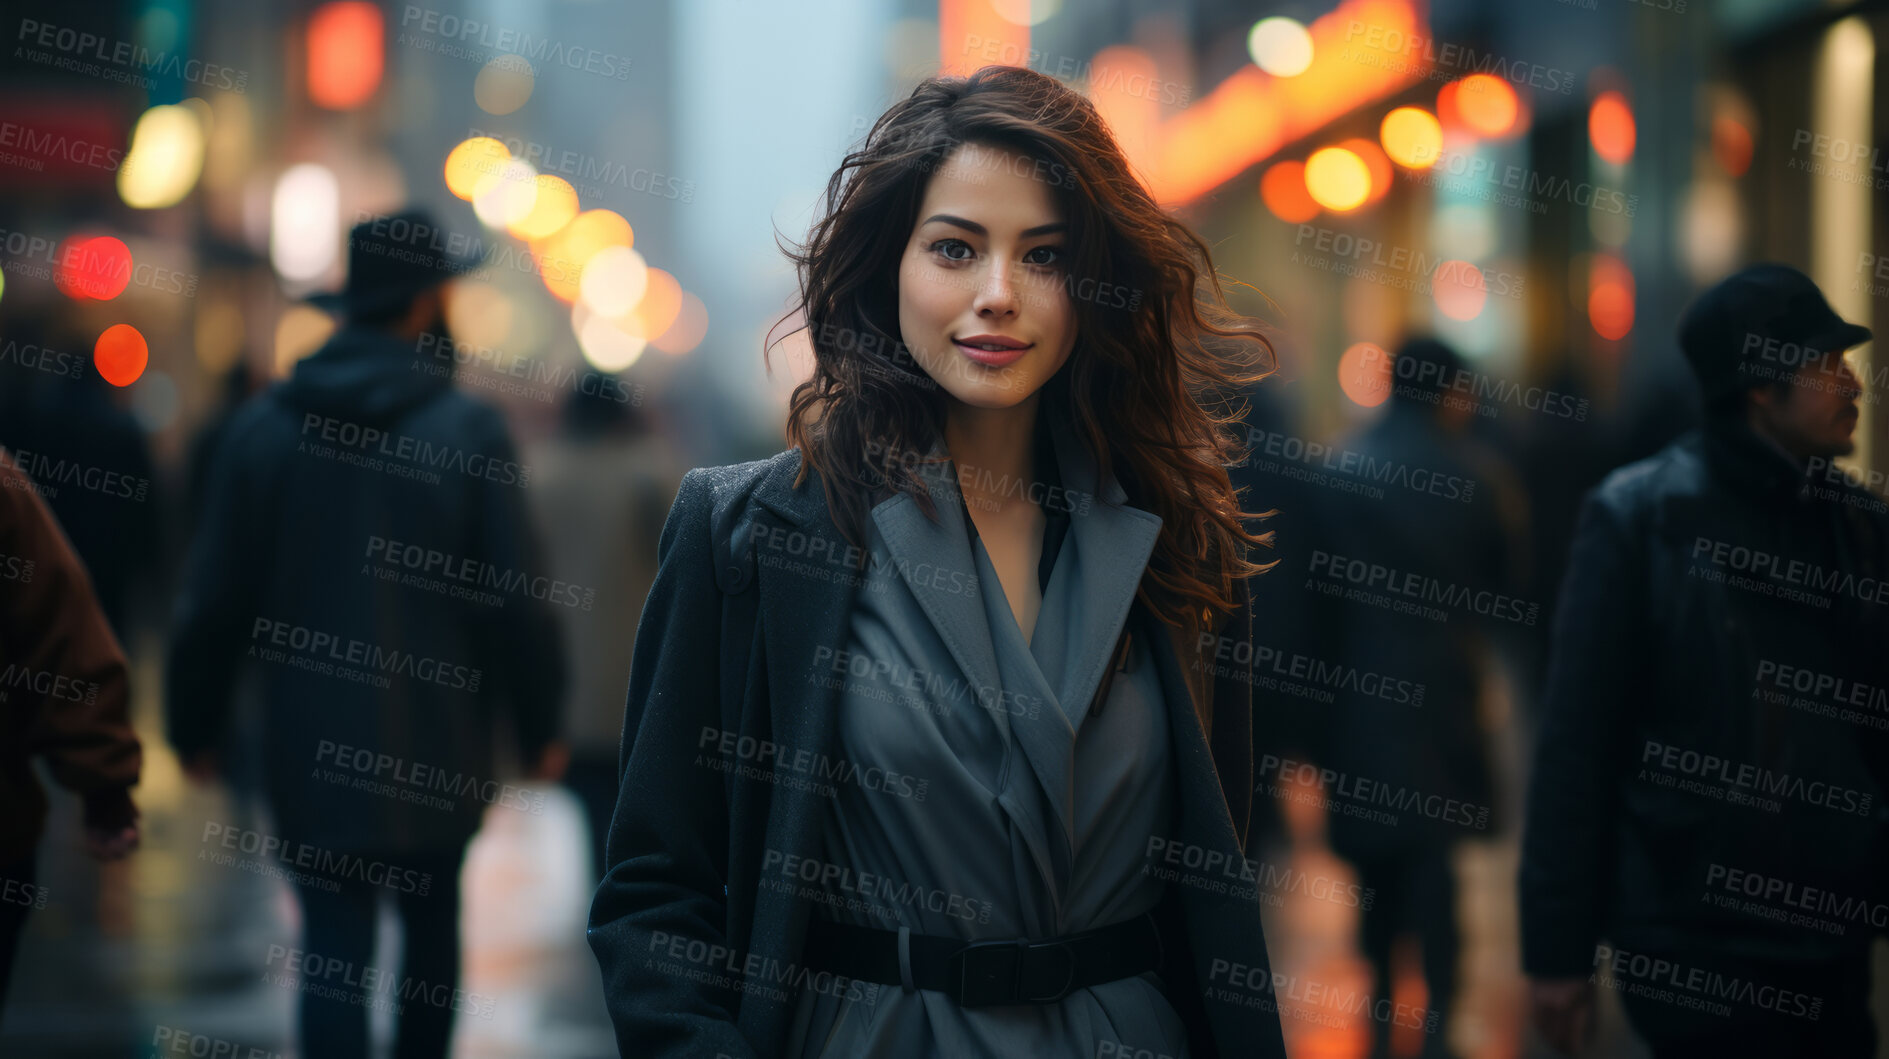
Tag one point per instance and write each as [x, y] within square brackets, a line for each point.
[983, 305]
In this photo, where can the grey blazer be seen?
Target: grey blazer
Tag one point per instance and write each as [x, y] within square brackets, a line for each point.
[726, 744]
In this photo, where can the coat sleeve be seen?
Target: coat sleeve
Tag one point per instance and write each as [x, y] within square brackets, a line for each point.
[64, 643]
[522, 640]
[667, 849]
[1566, 866]
[217, 600]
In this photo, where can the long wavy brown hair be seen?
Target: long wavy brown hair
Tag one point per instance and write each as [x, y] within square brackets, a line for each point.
[1152, 384]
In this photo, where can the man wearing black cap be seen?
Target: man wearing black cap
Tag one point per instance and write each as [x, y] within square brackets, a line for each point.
[1704, 821]
[365, 548]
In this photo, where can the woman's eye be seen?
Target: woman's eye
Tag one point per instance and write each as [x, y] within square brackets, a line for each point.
[1044, 255]
[949, 249]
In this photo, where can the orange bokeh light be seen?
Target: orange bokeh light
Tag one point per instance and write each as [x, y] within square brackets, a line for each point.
[1459, 290]
[1731, 145]
[1376, 162]
[345, 54]
[662, 302]
[1610, 127]
[95, 267]
[1364, 374]
[1283, 191]
[1412, 137]
[1486, 104]
[562, 257]
[1610, 297]
[121, 354]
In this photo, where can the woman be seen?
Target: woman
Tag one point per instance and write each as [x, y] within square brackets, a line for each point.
[866, 730]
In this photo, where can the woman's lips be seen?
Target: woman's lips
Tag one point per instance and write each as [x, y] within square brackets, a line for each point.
[995, 358]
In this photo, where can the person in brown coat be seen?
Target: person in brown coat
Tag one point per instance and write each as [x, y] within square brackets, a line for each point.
[63, 693]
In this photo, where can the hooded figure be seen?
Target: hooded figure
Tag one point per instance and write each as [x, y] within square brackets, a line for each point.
[365, 549]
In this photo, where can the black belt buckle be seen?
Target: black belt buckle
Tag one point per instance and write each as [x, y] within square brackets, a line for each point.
[990, 973]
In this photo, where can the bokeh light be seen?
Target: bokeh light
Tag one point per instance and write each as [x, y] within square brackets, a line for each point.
[1364, 374]
[473, 161]
[1412, 137]
[1731, 145]
[1610, 297]
[552, 208]
[506, 197]
[1610, 126]
[345, 54]
[92, 267]
[1280, 46]
[301, 331]
[1283, 190]
[606, 346]
[657, 309]
[1376, 163]
[1025, 12]
[1459, 290]
[305, 222]
[504, 83]
[121, 354]
[165, 158]
[688, 330]
[1487, 105]
[614, 281]
[1337, 179]
[562, 257]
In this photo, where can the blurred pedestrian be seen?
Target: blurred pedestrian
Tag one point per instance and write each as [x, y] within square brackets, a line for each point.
[1704, 829]
[63, 697]
[366, 538]
[601, 489]
[1448, 516]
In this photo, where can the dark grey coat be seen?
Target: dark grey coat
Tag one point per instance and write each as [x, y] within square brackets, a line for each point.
[698, 958]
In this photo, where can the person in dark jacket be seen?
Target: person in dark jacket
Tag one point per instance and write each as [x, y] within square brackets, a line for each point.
[1704, 831]
[63, 697]
[1432, 506]
[366, 546]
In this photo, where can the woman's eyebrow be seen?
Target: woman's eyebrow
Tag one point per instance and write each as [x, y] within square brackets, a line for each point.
[973, 226]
